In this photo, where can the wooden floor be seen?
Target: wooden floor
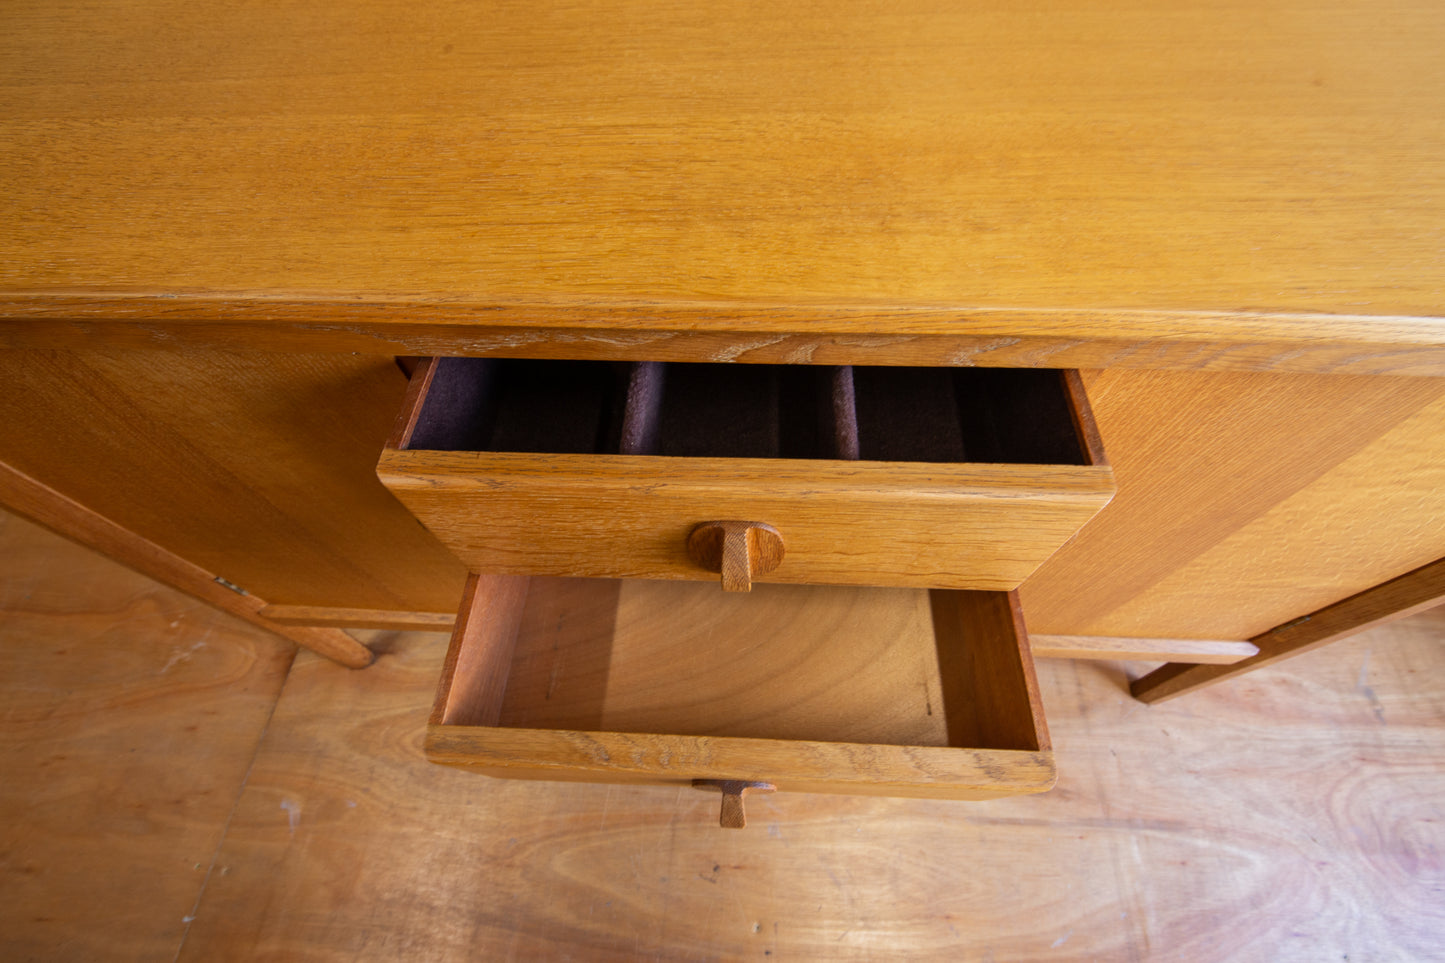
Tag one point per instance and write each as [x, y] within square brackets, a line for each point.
[173, 786]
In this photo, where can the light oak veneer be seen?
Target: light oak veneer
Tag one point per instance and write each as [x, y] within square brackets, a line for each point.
[555, 511]
[691, 683]
[191, 196]
[1084, 184]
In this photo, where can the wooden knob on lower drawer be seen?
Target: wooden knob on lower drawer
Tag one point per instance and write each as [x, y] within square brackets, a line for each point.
[738, 550]
[733, 790]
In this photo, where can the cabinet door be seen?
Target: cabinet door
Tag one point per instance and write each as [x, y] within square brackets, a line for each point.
[1247, 500]
[259, 467]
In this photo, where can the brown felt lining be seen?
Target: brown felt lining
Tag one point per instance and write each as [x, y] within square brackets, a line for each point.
[749, 411]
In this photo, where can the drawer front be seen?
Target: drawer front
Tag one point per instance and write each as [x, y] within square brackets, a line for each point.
[933, 524]
[867, 691]
[617, 516]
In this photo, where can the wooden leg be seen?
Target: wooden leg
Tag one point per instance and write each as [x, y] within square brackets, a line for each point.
[1147, 650]
[45, 506]
[1410, 593]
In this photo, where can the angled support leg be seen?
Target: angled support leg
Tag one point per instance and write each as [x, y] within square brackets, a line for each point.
[1412, 592]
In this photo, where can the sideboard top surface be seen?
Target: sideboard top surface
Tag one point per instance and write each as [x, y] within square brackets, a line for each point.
[1216, 170]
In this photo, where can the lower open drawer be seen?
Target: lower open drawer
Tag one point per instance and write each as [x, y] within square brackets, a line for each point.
[809, 688]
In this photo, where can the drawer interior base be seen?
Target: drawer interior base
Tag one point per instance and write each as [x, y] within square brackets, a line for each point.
[786, 662]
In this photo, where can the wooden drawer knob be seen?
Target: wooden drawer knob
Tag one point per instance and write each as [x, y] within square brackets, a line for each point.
[739, 550]
[733, 790]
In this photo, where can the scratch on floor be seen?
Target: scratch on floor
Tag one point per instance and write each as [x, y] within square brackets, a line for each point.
[182, 655]
[1367, 691]
[293, 813]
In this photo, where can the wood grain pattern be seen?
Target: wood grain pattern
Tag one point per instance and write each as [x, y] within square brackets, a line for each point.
[1398, 598]
[1203, 651]
[665, 683]
[810, 663]
[1288, 816]
[418, 383]
[131, 715]
[920, 154]
[359, 618]
[1291, 814]
[1374, 515]
[26, 496]
[479, 658]
[731, 331]
[628, 516]
[1197, 651]
[1086, 427]
[258, 467]
[990, 692]
[1247, 500]
[790, 765]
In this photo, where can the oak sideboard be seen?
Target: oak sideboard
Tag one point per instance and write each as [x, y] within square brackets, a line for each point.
[1205, 244]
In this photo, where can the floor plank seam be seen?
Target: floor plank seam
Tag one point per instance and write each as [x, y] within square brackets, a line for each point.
[190, 917]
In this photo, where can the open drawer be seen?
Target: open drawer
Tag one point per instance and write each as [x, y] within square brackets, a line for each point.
[964, 478]
[815, 689]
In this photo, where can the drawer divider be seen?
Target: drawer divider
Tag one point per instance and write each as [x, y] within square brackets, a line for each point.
[643, 408]
[845, 414]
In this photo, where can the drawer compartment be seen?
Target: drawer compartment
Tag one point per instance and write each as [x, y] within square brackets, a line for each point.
[961, 478]
[811, 689]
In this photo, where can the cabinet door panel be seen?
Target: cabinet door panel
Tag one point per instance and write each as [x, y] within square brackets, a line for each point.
[258, 467]
[1246, 500]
